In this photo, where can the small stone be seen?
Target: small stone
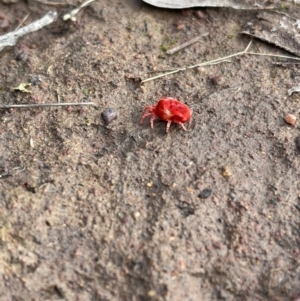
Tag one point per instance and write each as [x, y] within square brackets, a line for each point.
[226, 172]
[108, 115]
[179, 25]
[136, 215]
[36, 80]
[199, 14]
[151, 293]
[297, 142]
[215, 80]
[187, 163]
[297, 206]
[290, 119]
[59, 291]
[205, 193]
[37, 239]
[217, 245]
[20, 56]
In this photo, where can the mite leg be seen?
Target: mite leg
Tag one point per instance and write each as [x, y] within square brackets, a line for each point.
[151, 120]
[145, 110]
[145, 115]
[182, 125]
[168, 125]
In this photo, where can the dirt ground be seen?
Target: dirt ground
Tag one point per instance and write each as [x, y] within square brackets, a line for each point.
[123, 212]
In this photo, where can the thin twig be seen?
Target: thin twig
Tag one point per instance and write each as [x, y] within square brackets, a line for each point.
[164, 70]
[22, 22]
[71, 15]
[57, 4]
[194, 66]
[186, 44]
[220, 60]
[248, 46]
[275, 55]
[176, 69]
[10, 39]
[41, 105]
[285, 64]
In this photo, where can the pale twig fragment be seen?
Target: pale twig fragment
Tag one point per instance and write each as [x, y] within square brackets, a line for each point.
[71, 15]
[11, 38]
[31, 142]
[57, 4]
[216, 61]
[186, 44]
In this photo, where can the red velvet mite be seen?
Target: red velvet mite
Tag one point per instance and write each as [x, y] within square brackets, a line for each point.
[170, 110]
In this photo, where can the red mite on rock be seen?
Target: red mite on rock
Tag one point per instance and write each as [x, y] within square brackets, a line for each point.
[170, 110]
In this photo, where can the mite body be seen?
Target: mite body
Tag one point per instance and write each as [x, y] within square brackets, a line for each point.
[170, 110]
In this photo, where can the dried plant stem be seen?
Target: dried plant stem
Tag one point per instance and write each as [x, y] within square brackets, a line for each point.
[22, 22]
[41, 105]
[71, 15]
[274, 55]
[186, 44]
[58, 4]
[220, 60]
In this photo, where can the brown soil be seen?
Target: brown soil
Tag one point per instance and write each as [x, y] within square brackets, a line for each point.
[95, 212]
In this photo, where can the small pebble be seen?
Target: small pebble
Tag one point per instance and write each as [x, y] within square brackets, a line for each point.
[108, 115]
[205, 193]
[226, 172]
[215, 80]
[217, 245]
[297, 142]
[179, 25]
[199, 14]
[136, 215]
[290, 119]
[151, 293]
[36, 79]
[20, 56]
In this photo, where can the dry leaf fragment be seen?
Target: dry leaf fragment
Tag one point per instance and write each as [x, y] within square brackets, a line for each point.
[22, 87]
[276, 29]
